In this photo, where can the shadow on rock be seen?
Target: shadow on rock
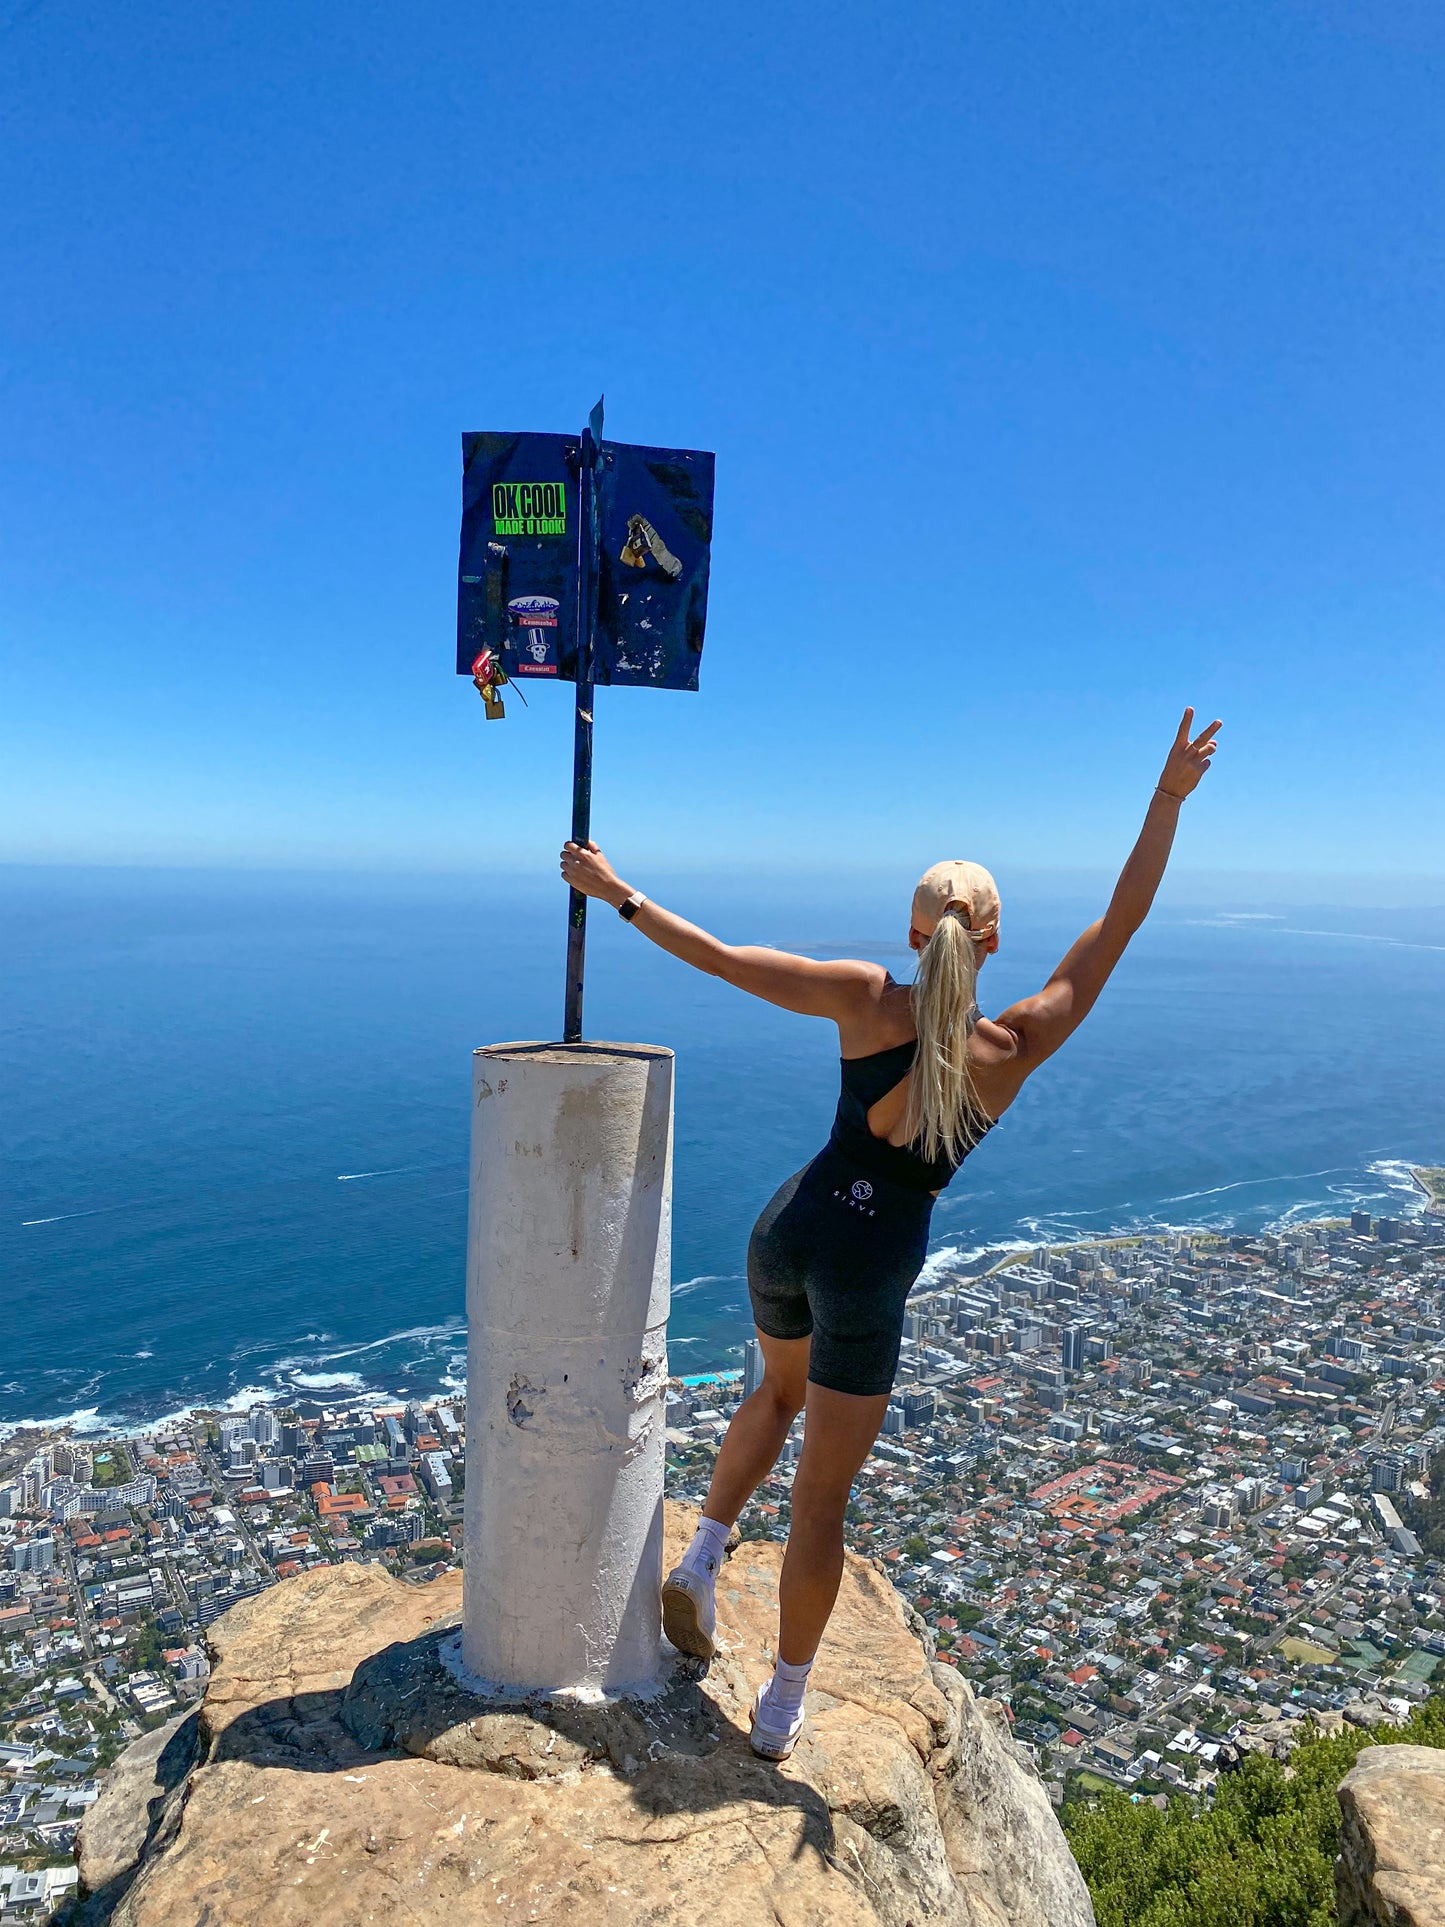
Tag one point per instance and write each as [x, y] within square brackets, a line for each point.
[137, 1814]
[678, 1752]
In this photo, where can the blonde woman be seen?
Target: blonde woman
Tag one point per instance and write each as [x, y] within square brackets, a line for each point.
[835, 1253]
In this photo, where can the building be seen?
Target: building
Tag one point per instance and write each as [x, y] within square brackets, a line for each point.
[919, 1407]
[436, 1477]
[265, 1428]
[752, 1367]
[1073, 1348]
[1387, 1474]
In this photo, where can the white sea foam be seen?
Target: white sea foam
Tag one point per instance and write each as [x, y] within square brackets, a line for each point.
[1397, 1174]
[1361, 936]
[90, 1419]
[951, 1258]
[327, 1381]
[1243, 919]
[448, 1334]
[1232, 920]
[1244, 1184]
[706, 1278]
[87, 1419]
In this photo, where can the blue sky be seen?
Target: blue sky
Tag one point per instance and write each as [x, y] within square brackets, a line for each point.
[1064, 363]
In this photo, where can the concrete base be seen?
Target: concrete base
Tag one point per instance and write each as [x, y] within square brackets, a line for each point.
[568, 1272]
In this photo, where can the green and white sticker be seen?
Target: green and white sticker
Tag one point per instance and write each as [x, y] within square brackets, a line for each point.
[529, 508]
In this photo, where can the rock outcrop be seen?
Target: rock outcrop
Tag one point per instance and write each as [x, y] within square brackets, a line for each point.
[143, 1798]
[343, 1777]
[1391, 1866]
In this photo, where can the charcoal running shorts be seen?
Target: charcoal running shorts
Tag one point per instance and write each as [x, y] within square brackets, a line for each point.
[834, 1256]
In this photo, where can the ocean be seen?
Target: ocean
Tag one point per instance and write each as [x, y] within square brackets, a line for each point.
[234, 1106]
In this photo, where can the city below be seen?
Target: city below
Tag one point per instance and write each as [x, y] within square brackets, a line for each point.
[1164, 1496]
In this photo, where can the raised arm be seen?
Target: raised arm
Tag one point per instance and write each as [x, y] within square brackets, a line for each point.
[836, 989]
[1043, 1022]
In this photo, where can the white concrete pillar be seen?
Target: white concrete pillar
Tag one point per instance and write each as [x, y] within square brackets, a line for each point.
[569, 1257]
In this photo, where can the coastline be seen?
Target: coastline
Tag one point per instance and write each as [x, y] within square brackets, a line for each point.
[290, 1385]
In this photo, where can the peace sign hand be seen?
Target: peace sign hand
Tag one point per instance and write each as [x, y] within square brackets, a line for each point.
[1187, 760]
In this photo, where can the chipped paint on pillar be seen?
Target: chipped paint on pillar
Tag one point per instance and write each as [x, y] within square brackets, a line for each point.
[569, 1256]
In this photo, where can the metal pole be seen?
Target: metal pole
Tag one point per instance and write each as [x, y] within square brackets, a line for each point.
[581, 831]
[582, 732]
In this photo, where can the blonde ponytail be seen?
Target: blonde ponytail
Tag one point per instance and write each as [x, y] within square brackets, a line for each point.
[943, 1115]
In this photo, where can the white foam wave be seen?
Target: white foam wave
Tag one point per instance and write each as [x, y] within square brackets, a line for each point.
[706, 1278]
[1244, 1184]
[428, 1334]
[240, 1401]
[87, 1419]
[1398, 1174]
[948, 1259]
[90, 1419]
[328, 1381]
[1363, 936]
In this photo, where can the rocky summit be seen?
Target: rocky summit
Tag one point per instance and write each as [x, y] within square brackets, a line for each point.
[1391, 1867]
[337, 1775]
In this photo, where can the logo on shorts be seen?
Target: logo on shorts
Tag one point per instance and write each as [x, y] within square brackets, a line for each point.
[856, 1197]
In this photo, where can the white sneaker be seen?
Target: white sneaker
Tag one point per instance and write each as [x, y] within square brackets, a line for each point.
[770, 1741]
[689, 1613]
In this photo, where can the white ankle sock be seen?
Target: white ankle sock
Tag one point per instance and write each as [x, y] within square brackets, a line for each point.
[705, 1555]
[784, 1694]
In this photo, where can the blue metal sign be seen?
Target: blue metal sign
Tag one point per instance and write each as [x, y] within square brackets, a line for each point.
[524, 536]
[582, 561]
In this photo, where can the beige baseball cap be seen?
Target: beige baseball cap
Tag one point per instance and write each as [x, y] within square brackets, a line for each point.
[956, 885]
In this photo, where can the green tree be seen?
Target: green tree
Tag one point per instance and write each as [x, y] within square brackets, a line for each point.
[1261, 1856]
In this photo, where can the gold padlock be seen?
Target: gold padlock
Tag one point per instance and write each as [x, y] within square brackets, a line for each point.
[496, 709]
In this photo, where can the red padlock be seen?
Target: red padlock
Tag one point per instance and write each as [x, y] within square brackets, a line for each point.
[487, 674]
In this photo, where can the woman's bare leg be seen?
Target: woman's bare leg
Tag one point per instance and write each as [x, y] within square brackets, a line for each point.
[750, 1449]
[838, 1435]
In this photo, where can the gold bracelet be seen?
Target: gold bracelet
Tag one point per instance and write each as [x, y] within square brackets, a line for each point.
[1159, 790]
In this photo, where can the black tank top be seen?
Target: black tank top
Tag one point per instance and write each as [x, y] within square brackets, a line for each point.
[865, 1080]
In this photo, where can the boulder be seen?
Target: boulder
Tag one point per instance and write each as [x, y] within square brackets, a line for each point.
[1370, 1713]
[141, 1799]
[1391, 1866]
[347, 1777]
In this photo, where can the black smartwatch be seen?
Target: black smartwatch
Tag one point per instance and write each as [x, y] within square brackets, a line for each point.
[627, 911]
